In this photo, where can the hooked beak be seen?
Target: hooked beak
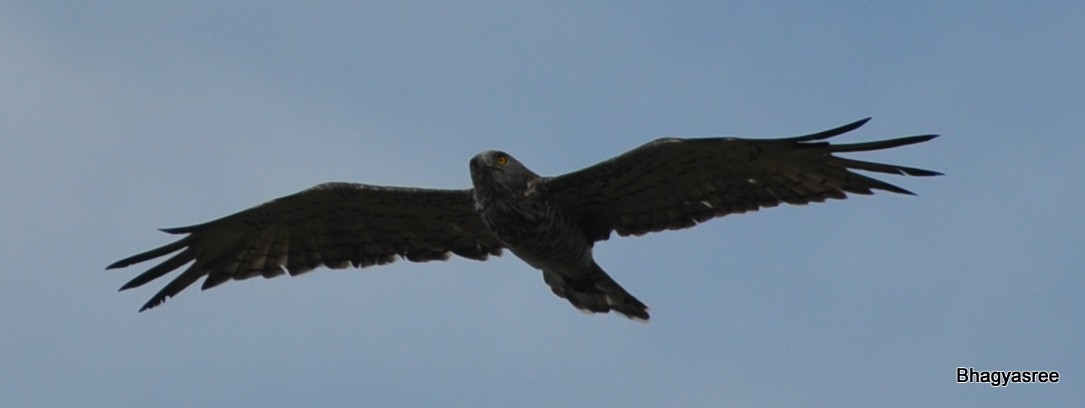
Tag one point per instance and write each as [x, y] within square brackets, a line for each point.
[478, 163]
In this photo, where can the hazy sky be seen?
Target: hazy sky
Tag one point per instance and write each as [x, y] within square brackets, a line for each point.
[117, 118]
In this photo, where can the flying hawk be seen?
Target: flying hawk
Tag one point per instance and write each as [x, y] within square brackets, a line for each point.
[551, 223]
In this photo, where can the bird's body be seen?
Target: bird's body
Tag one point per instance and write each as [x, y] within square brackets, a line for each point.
[515, 206]
[551, 223]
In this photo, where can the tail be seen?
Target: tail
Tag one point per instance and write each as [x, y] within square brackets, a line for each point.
[596, 292]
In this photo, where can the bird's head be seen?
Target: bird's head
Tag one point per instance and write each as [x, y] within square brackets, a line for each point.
[494, 168]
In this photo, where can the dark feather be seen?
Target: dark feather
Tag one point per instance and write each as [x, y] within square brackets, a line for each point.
[333, 224]
[676, 183]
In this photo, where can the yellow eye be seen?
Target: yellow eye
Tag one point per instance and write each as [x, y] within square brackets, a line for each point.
[502, 160]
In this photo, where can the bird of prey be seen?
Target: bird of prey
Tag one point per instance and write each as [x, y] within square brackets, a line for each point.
[552, 223]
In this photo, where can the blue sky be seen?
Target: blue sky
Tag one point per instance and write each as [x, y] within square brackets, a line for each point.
[121, 117]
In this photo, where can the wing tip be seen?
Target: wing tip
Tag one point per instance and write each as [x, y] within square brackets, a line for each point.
[151, 254]
[128, 285]
[119, 264]
[915, 172]
[151, 304]
[156, 300]
[129, 261]
[178, 230]
[825, 134]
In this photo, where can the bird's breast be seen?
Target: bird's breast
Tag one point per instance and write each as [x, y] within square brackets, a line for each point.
[537, 232]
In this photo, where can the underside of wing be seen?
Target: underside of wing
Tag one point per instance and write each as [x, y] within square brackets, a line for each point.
[336, 225]
[676, 183]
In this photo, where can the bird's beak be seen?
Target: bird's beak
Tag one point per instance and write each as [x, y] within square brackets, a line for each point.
[479, 164]
[476, 163]
[479, 168]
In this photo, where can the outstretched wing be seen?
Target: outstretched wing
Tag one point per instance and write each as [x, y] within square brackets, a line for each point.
[334, 224]
[676, 183]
